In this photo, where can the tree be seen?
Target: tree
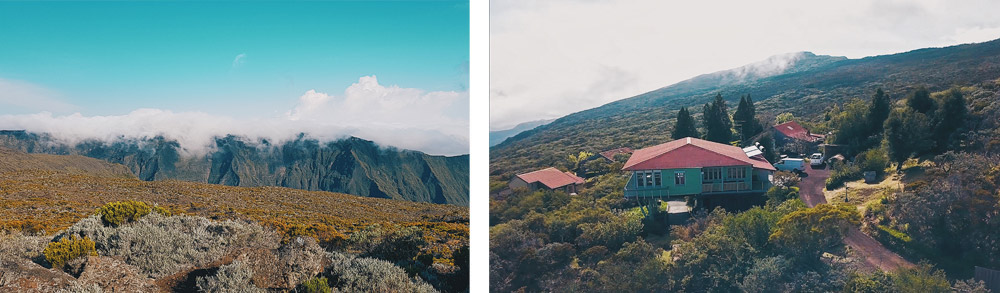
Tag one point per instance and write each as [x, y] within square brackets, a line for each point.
[783, 117]
[718, 125]
[807, 232]
[878, 111]
[907, 133]
[576, 159]
[745, 119]
[767, 146]
[949, 117]
[685, 125]
[920, 101]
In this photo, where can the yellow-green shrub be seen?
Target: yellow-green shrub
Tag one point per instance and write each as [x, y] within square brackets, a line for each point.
[69, 248]
[120, 212]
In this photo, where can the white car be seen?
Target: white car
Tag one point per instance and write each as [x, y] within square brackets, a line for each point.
[791, 164]
[816, 159]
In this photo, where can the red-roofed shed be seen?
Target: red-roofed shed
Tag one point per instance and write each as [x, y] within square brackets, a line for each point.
[792, 130]
[548, 178]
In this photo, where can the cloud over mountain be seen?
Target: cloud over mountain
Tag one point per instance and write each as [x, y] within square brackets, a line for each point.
[435, 122]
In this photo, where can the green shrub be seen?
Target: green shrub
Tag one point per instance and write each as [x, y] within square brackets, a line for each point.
[842, 173]
[68, 248]
[873, 160]
[316, 285]
[120, 212]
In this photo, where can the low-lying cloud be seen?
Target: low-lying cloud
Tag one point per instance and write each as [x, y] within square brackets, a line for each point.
[434, 122]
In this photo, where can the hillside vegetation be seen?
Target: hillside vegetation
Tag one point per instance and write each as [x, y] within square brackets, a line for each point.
[352, 165]
[41, 199]
[934, 132]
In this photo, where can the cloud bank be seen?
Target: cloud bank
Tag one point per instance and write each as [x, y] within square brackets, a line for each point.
[552, 58]
[435, 122]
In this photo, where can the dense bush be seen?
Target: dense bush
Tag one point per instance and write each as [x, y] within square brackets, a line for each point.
[777, 194]
[875, 159]
[234, 277]
[316, 285]
[120, 212]
[356, 274]
[160, 245]
[842, 172]
[58, 253]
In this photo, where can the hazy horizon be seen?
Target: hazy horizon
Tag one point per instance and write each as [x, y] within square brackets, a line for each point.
[608, 50]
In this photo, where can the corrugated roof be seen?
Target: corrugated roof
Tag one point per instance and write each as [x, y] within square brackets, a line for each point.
[551, 177]
[610, 154]
[794, 130]
[692, 153]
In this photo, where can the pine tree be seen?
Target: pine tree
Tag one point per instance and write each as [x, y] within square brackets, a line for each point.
[685, 125]
[920, 101]
[751, 126]
[878, 111]
[718, 125]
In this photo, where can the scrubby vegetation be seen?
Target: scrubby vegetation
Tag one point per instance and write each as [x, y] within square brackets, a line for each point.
[188, 253]
[932, 141]
[60, 252]
[267, 229]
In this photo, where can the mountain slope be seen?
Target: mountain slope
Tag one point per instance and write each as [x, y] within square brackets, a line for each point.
[353, 165]
[496, 137]
[805, 89]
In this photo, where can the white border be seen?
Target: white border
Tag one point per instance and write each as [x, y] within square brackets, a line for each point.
[479, 206]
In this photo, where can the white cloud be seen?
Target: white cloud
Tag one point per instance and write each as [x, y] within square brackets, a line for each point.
[239, 60]
[552, 58]
[30, 97]
[407, 118]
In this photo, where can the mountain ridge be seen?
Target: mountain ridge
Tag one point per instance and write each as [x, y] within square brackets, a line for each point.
[352, 165]
[644, 118]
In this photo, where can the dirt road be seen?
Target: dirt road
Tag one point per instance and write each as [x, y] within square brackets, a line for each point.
[873, 253]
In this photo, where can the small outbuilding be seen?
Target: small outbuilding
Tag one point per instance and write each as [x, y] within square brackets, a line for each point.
[792, 131]
[548, 178]
[610, 154]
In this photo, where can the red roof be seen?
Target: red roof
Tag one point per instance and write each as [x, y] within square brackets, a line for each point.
[794, 130]
[692, 153]
[551, 177]
[610, 154]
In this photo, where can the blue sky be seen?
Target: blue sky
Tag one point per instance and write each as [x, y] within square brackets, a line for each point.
[241, 60]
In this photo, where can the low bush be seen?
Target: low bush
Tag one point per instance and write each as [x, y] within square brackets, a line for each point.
[362, 274]
[234, 277]
[120, 212]
[161, 246]
[843, 172]
[60, 252]
[316, 285]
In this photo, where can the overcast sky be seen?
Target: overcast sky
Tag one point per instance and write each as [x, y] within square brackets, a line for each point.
[552, 58]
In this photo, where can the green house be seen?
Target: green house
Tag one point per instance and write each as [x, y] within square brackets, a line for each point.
[691, 166]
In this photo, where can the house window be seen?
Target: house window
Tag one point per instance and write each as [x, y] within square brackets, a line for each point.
[649, 178]
[713, 173]
[656, 178]
[737, 173]
[639, 178]
[679, 178]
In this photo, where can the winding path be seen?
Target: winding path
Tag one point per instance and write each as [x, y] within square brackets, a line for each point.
[875, 255]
